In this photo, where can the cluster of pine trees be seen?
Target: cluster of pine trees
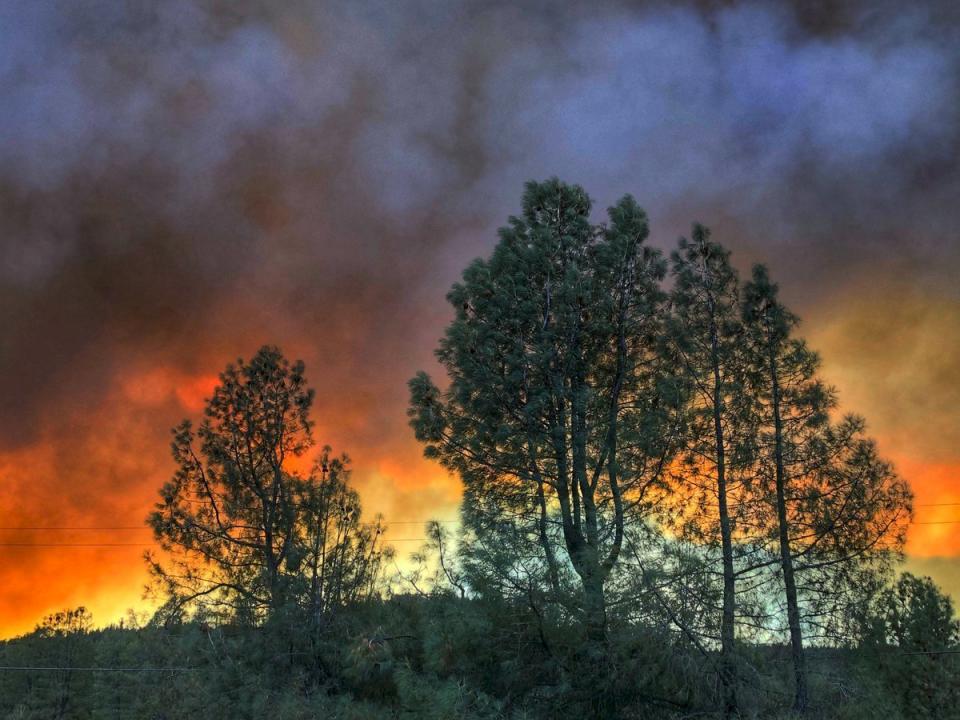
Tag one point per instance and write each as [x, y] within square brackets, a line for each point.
[663, 516]
[637, 436]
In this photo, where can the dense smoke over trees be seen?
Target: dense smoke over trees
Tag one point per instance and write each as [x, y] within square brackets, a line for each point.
[181, 181]
[663, 515]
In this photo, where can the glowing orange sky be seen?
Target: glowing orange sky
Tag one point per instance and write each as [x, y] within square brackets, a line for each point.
[102, 463]
[109, 477]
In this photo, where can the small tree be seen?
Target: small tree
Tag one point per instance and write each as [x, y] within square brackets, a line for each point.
[914, 614]
[915, 636]
[63, 642]
[244, 532]
[339, 558]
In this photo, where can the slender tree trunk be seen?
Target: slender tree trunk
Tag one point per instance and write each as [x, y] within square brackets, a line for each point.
[270, 562]
[544, 518]
[315, 576]
[594, 601]
[728, 668]
[64, 700]
[552, 568]
[594, 676]
[786, 554]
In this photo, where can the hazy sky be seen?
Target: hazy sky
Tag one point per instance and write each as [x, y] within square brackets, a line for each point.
[183, 181]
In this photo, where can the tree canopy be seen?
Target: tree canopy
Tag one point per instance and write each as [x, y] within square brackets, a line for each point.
[673, 440]
[557, 403]
[244, 532]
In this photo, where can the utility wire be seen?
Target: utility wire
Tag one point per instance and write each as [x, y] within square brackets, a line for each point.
[28, 545]
[144, 528]
[118, 545]
[387, 523]
[51, 668]
[64, 527]
[140, 528]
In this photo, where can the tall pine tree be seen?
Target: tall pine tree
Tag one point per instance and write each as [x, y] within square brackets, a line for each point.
[836, 512]
[707, 336]
[555, 406]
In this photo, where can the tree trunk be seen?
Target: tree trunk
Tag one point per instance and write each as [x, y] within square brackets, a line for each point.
[728, 668]
[593, 676]
[552, 568]
[595, 606]
[786, 554]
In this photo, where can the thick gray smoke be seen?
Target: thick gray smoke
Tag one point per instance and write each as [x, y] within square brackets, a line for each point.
[182, 181]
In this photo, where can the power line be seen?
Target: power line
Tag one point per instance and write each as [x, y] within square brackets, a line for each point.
[101, 668]
[931, 652]
[123, 545]
[144, 528]
[51, 668]
[388, 540]
[387, 523]
[63, 527]
[28, 545]
[141, 528]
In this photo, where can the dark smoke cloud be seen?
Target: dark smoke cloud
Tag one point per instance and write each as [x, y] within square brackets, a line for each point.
[183, 181]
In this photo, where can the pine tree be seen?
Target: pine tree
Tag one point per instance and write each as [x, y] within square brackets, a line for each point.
[912, 635]
[337, 557]
[836, 511]
[793, 407]
[245, 534]
[556, 406]
[707, 336]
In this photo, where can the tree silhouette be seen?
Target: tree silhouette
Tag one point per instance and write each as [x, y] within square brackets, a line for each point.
[707, 337]
[244, 532]
[555, 415]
